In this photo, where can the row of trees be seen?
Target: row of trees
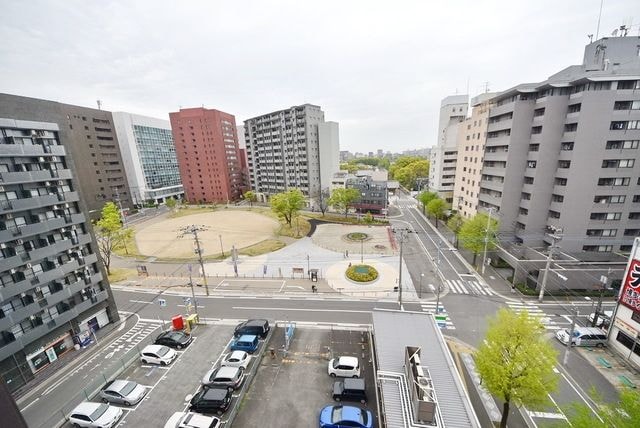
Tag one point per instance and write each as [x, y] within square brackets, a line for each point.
[287, 205]
[407, 169]
[365, 163]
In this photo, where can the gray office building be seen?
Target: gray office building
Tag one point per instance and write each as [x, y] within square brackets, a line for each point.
[90, 138]
[292, 149]
[565, 153]
[53, 290]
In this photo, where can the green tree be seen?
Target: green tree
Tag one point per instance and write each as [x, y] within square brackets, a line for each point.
[516, 361]
[323, 200]
[171, 203]
[368, 218]
[455, 224]
[407, 169]
[437, 208]
[251, 197]
[110, 233]
[349, 167]
[287, 204]
[425, 198]
[341, 199]
[623, 414]
[474, 232]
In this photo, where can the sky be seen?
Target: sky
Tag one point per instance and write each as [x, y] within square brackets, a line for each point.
[379, 69]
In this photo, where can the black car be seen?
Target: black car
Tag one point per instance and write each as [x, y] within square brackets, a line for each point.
[174, 339]
[253, 328]
[211, 400]
[350, 389]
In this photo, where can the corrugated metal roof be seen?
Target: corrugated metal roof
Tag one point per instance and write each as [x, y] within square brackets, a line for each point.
[394, 331]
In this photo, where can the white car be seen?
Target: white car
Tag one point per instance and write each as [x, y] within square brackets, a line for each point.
[604, 318]
[158, 354]
[239, 359]
[344, 367]
[95, 415]
[191, 420]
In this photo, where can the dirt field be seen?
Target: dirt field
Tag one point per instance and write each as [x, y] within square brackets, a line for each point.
[239, 228]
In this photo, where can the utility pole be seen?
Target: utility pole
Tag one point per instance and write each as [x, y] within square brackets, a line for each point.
[574, 315]
[421, 276]
[486, 239]
[556, 237]
[308, 267]
[603, 281]
[402, 233]
[193, 230]
[193, 294]
[221, 247]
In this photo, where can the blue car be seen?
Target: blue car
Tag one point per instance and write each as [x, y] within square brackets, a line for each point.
[247, 343]
[345, 417]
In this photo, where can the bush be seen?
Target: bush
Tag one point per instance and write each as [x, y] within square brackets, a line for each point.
[362, 273]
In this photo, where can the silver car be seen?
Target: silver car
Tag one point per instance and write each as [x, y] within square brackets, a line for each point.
[231, 377]
[236, 359]
[123, 392]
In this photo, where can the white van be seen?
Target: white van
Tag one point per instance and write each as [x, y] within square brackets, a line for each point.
[583, 336]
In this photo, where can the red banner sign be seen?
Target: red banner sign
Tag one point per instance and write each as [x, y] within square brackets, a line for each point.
[630, 296]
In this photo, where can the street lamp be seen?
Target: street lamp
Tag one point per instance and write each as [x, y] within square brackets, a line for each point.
[433, 290]
[421, 276]
[221, 247]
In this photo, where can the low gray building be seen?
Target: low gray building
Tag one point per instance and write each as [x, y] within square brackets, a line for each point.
[373, 195]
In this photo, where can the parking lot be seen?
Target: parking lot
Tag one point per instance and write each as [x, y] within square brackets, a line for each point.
[292, 388]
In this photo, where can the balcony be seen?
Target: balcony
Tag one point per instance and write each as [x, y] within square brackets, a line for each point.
[504, 108]
[490, 199]
[31, 203]
[500, 155]
[492, 185]
[502, 140]
[500, 125]
[493, 171]
[17, 150]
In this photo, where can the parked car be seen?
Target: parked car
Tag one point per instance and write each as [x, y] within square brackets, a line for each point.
[236, 359]
[345, 416]
[100, 415]
[247, 343]
[125, 392]
[224, 376]
[192, 420]
[583, 336]
[157, 354]
[344, 367]
[350, 390]
[252, 327]
[211, 400]
[604, 318]
[174, 339]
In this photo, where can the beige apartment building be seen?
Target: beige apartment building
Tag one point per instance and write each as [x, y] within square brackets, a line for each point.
[471, 138]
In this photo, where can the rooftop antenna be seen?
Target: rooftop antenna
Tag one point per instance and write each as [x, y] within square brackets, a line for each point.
[486, 87]
[99, 104]
[599, 16]
[590, 36]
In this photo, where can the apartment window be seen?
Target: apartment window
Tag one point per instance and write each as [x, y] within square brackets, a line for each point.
[526, 196]
[629, 84]
[632, 232]
[557, 198]
[622, 144]
[534, 147]
[531, 164]
[607, 233]
[554, 214]
[614, 181]
[634, 216]
[560, 181]
[598, 248]
[566, 146]
[564, 164]
[627, 105]
[618, 163]
[625, 248]
[610, 199]
[606, 216]
[536, 130]
[636, 198]
[528, 180]
[524, 211]
[538, 112]
[574, 108]
[570, 127]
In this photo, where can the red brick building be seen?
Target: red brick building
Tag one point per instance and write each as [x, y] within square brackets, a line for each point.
[208, 154]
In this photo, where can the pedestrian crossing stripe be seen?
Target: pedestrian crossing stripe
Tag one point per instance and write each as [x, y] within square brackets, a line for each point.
[459, 286]
[535, 312]
[441, 317]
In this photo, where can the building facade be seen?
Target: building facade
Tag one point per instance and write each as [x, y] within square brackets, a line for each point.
[208, 154]
[373, 195]
[90, 138]
[563, 153]
[443, 156]
[472, 135]
[53, 290]
[149, 157]
[292, 149]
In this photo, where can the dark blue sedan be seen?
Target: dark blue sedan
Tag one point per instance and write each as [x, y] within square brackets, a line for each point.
[345, 417]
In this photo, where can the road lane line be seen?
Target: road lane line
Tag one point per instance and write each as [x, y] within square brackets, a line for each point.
[141, 301]
[29, 405]
[582, 397]
[300, 309]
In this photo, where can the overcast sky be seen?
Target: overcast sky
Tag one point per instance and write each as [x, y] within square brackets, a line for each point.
[378, 68]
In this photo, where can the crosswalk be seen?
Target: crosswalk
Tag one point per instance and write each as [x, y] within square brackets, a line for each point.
[459, 286]
[534, 311]
[133, 337]
[442, 316]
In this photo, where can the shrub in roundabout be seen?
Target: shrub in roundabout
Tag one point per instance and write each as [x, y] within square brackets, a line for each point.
[362, 273]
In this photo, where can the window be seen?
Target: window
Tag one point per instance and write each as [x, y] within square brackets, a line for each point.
[526, 196]
[598, 248]
[627, 105]
[618, 163]
[614, 181]
[534, 147]
[628, 342]
[610, 199]
[560, 181]
[564, 164]
[531, 164]
[602, 232]
[574, 108]
[538, 112]
[606, 216]
[629, 84]
[622, 144]
[634, 216]
[554, 214]
[570, 127]
[524, 211]
[625, 248]
[636, 198]
[632, 232]
[557, 198]
[566, 146]
[528, 180]
[536, 130]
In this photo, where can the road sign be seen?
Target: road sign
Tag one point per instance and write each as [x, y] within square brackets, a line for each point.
[162, 303]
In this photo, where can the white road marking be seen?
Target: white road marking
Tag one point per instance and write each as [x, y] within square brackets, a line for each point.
[300, 309]
[141, 301]
[546, 415]
[29, 405]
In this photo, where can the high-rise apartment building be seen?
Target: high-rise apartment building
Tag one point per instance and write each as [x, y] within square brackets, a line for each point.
[89, 136]
[208, 155]
[472, 135]
[149, 157]
[292, 149]
[443, 156]
[52, 287]
[565, 153]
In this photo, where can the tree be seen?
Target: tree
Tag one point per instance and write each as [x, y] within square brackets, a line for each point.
[341, 199]
[473, 233]
[515, 361]
[455, 224]
[623, 414]
[171, 203]
[323, 200]
[368, 218]
[407, 169]
[437, 207]
[110, 233]
[287, 204]
[425, 198]
[251, 197]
